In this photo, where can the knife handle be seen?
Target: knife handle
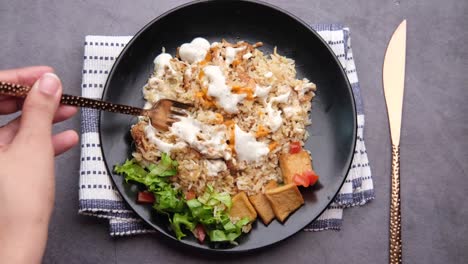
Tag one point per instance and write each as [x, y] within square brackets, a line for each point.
[395, 212]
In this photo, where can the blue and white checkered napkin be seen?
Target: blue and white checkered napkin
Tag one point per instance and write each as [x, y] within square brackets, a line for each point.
[99, 197]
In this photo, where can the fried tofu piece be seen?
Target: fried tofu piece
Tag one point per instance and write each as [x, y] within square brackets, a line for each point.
[241, 207]
[291, 164]
[271, 184]
[284, 200]
[138, 133]
[139, 137]
[263, 207]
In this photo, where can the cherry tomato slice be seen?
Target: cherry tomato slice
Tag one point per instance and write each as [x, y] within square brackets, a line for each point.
[312, 176]
[200, 233]
[301, 180]
[294, 147]
[189, 195]
[145, 197]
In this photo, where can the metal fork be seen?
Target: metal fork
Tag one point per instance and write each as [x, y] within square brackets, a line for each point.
[162, 115]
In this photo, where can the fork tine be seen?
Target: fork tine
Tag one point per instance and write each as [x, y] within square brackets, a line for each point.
[172, 119]
[178, 113]
[179, 104]
[161, 126]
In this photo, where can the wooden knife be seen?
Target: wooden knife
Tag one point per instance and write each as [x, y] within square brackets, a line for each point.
[394, 84]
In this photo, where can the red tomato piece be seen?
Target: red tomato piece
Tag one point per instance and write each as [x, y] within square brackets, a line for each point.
[294, 147]
[200, 233]
[312, 176]
[145, 197]
[189, 195]
[301, 180]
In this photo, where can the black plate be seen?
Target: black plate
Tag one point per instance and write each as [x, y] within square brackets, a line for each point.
[332, 135]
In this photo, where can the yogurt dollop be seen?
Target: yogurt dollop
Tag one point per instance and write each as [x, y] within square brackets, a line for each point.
[194, 51]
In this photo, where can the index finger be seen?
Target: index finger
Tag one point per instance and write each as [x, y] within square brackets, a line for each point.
[10, 105]
[24, 76]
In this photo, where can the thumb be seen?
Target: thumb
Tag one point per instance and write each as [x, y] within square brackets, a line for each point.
[39, 108]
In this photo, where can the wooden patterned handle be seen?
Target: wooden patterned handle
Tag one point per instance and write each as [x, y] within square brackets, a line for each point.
[100, 105]
[17, 90]
[395, 212]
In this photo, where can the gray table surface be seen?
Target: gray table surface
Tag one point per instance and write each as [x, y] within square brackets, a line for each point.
[434, 137]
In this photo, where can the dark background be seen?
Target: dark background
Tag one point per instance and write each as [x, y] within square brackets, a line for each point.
[434, 135]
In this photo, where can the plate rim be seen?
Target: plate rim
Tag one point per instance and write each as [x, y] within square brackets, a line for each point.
[310, 29]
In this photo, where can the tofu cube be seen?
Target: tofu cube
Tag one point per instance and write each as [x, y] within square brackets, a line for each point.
[263, 207]
[284, 200]
[241, 207]
[291, 164]
[271, 184]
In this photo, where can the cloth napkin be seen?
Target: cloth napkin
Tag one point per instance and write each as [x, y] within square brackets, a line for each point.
[97, 194]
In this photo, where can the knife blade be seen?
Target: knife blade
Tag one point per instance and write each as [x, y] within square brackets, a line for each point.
[394, 85]
[394, 80]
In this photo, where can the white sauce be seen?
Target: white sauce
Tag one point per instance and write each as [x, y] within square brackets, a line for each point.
[247, 147]
[247, 56]
[150, 133]
[306, 87]
[217, 88]
[231, 54]
[281, 99]
[186, 129]
[214, 146]
[214, 167]
[262, 92]
[161, 63]
[194, 51]
[208, 140]
[268, 75]
[274, 116]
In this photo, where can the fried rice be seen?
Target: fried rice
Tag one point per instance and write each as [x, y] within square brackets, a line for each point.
[270, 109]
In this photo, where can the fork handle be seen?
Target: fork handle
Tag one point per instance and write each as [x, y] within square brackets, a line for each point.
[395, 212]
[21, 91]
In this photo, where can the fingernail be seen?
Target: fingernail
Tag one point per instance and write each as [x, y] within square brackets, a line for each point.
[49, 83]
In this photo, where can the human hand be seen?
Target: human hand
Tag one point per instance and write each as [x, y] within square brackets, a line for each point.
[27, 150]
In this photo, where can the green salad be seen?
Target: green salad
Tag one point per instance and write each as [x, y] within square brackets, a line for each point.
[207, 214]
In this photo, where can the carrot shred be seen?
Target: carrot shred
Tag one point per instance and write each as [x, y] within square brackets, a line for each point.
[219, 118]
[206, 59]
[273, 145]
[245, 90]
[206, 100]
[261, 131]
[200, 75]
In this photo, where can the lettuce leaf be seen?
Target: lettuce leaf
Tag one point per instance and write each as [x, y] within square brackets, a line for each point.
[154, 177]
[166, 167]
[132, 171]
[211, 209]
[213, 198]
[180, 220]
[169, 200]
